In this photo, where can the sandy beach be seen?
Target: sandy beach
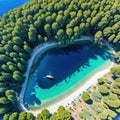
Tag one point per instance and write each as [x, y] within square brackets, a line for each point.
[68, 100]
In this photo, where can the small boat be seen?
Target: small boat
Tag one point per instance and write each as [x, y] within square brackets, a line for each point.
[50, 77]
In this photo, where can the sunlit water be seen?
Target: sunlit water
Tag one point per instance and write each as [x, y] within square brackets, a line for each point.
[7, 5]
[69, 66]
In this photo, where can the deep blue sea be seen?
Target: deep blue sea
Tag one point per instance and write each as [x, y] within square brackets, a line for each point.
[7, 5]
[70, 67]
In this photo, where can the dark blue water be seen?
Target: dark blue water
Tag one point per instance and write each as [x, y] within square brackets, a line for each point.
[61, 63]
[69, 66]
[7, 5]
[117, 118]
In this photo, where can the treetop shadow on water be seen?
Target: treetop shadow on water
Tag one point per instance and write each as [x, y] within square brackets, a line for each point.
[63, 62]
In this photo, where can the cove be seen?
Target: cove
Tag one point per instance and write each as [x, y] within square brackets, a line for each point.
[70, 67]
[7, 5]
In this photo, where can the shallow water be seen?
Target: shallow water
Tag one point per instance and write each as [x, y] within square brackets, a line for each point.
[69, 66]
[7, 5]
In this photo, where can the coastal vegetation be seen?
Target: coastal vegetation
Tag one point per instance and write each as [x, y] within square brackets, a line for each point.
[38, 21]
[61, 114]
[106, 95]
[86, 97]
[105, 98]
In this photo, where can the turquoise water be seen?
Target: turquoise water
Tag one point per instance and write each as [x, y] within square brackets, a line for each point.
[7, 5]
[69, 66]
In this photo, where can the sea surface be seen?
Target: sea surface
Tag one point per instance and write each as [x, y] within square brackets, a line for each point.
[7, 5]
[69, 66]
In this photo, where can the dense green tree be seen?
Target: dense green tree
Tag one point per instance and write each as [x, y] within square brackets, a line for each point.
[104, 115]
[47, 29]
[54, 117]
[17, 40]
[103, 89]
[63, 114]
[85, 96]
[107, 31]
[18, 77]
[6, 117]
[69, 32]
[76, 32]
[96, 96]
[55, 26]
[13, 116]
[112, 114]
[117, 56]
[6, 75]
[10, 93]
[111, 38]
[117, 38]
[30, 116]
[3, 58]
[21, 67]
[59, 19]
[23, 55]
[4, 109]
[3, 78]
[60, 34]
[2, 90]
[4, 100]
[40, 38]
[27, 49]
[17, 49]
[13, 54]
[12, 67]
[8, 47]
[115, 71]
[2, 50]
[113, 104]
[32, 34]
[49, 19]
[22, 116]
[44, 115]
[98, 36]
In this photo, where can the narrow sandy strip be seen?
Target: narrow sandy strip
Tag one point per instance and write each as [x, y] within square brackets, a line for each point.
[68, 99]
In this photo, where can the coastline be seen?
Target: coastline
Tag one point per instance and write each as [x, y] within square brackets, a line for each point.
[39, 48]
[68, 99]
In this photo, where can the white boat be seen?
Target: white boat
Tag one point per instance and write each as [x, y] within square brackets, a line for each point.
[49, 77]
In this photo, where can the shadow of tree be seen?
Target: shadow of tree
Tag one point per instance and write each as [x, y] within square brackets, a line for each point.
[65, 61]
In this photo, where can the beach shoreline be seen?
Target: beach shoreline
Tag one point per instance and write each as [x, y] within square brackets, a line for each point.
[66, 102]
[70, 99]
